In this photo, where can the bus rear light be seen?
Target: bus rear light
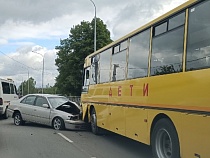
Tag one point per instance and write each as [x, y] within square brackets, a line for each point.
[1, 101]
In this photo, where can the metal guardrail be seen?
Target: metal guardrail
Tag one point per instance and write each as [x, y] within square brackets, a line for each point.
[75, 99]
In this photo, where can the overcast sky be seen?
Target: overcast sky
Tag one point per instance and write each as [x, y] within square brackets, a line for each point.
[38, 25]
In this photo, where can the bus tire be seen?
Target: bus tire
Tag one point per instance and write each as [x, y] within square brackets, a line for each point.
[164, 141]
[93, 122]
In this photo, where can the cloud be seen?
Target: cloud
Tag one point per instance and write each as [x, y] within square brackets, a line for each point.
[18, 64]
[36, 11]
[41, 19]
[3, 41]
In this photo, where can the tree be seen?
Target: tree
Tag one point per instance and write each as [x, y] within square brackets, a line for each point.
[24, 86]
[50, 89]
[72, 52]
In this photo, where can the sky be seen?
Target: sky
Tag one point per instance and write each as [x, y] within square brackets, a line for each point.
[31, 29]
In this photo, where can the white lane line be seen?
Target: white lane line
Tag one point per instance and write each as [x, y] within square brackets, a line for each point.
[64, 137]
[70, 141]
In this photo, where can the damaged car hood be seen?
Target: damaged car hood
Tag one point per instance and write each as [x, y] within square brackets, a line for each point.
[69, 107]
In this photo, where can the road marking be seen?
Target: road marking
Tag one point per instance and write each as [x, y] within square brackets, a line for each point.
[70, 141]
[64, 137]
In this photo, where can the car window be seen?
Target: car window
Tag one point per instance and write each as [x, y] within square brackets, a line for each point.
[12, 89]
[56, 101]
[40, 101]
[29, 100]
[6, 88]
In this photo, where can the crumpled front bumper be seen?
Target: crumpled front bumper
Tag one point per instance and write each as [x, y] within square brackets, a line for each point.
[75, 124]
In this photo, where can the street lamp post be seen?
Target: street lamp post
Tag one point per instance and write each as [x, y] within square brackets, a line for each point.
[28, 81]
[22, 87]
[42, 70]
[94, 26]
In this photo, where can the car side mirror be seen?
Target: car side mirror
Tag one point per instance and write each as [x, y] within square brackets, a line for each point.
[45, 105]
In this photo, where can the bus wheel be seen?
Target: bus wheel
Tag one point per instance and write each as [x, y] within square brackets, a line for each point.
[93, 122]
[165, 142]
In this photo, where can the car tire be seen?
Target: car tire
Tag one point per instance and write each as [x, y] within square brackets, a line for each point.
[165, 142]
[5, 115]
[93, 122]
[18, 119]
[58, 123]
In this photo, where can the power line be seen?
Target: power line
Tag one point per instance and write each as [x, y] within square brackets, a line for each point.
[48, 73]
[18, 61]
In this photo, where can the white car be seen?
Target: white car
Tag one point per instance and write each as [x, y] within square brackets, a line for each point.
[53, 110]
[8, 92]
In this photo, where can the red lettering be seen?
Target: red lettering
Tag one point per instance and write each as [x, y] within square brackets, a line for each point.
[110, 92]
[145, 89]
[119, 91]
[131, 86]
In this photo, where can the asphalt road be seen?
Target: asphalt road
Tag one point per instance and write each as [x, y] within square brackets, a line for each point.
[37, 141]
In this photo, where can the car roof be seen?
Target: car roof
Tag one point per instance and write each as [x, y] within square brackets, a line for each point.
[46, 95]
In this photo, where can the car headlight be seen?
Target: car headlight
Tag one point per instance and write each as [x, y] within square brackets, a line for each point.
[76, 117]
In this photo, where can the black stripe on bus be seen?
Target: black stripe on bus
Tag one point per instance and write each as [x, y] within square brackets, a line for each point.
[197, 112]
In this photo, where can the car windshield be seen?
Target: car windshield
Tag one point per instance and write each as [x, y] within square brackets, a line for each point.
[57, 101]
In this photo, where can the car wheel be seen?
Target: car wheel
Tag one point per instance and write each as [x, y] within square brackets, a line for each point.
[5, 115]
[93, 122]
[58, 123]
[165, 142]
[18, 119]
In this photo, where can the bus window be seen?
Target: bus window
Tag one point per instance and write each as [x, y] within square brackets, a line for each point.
[87, 74]
[138, 55]
[86, 80]
[105, 65]
[12, 89]
[167, 50]
[117, 49]
[176, 21]
[162, 28]
[123, 45]
[119, 63]
[198, 45]
[94, 70]
[119, 66]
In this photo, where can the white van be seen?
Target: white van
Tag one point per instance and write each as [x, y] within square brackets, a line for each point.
[8, 92]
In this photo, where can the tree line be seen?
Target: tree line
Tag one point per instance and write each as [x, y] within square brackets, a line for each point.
[29, 87]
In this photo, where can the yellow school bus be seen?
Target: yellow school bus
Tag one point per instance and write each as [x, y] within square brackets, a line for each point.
[153, 85]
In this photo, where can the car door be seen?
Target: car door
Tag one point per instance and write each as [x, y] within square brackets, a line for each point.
[41, 114]
[26, 108]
